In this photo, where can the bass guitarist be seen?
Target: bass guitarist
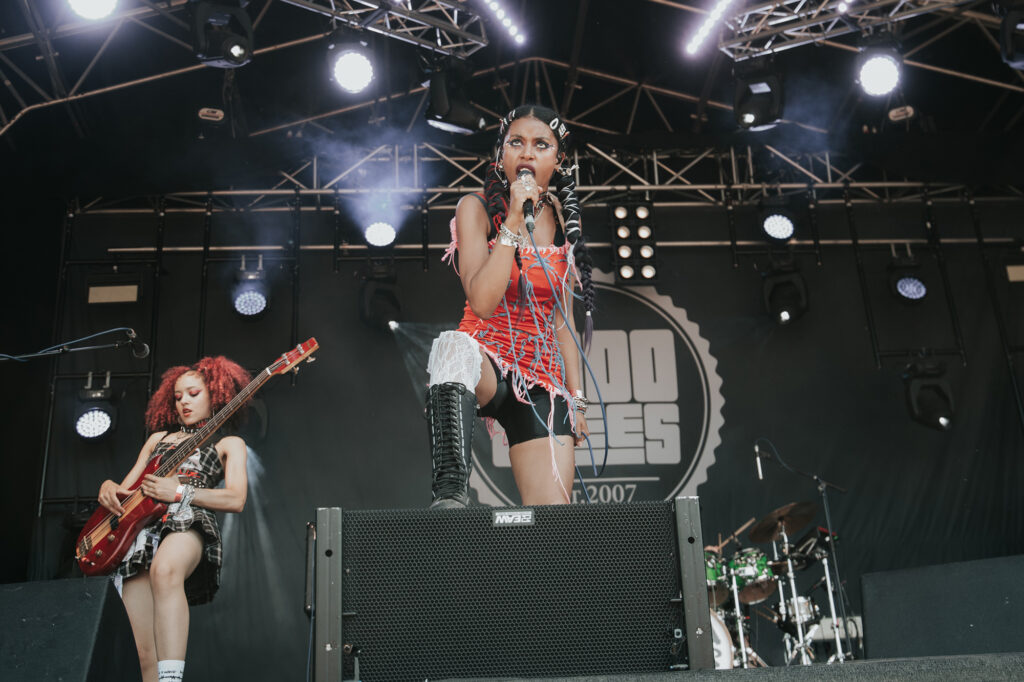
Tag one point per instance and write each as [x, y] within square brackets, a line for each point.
[175, 561]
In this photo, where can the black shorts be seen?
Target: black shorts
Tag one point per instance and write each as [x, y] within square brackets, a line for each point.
[518, 419]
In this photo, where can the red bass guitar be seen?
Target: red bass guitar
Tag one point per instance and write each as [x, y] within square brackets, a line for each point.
[107, 537]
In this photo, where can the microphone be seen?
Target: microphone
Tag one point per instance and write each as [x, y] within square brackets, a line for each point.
[757, 458]
[528, 204]
[139, 349]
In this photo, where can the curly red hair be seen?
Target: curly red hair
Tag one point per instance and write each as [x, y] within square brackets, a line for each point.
[224, 378]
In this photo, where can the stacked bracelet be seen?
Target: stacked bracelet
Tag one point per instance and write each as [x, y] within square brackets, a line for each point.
[580, 402]
[507, 237]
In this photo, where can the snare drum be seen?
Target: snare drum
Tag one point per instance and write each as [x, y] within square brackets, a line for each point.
[802, 610]
[754, 577]
[718, 581]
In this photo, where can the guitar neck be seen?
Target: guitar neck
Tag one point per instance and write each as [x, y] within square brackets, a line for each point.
[186, 447]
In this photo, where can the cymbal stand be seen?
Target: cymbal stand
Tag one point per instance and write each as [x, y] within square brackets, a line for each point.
[739, 621]
[823, 487]
[802, 644]
[838, 655]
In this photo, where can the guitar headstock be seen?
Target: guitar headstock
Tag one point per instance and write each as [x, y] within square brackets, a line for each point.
[292, 358]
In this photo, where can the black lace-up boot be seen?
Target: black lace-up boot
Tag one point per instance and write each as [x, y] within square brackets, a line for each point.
[451, 412]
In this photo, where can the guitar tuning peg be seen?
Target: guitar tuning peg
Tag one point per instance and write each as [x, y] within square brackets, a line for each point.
[295, 369]
[311, 358]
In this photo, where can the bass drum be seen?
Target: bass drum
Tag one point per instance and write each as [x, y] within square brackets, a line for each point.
[721, 643]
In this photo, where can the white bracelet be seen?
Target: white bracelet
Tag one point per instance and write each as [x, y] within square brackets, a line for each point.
[508, 238]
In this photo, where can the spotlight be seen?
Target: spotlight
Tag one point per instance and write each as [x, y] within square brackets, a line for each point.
[448, 106]
[501, 14]
[632, 241]
[379, 307]
[1011, 40]
[93, 9]
[778, 221]
[759, 96]
[250, 295]
[350, 62]
[379, 234]
[878, 66]
[905, 279]
[222, 34]
[929, 397]
[785, 293]
[95, 415]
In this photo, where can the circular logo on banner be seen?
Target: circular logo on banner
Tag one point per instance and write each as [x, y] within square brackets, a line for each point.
[663, 406]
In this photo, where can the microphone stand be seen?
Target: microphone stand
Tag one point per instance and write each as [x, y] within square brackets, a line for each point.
[823, 487]
[64, 348]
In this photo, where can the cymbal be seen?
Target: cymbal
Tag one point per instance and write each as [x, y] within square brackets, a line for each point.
[792, 516]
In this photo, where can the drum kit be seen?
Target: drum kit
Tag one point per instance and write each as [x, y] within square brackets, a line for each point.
[750, 576]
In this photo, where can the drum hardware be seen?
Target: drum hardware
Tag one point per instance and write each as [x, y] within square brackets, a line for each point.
[790, 523]
[789, 517]
[753, 576]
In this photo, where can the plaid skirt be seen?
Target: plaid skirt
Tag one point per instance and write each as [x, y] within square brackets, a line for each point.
[202, 470]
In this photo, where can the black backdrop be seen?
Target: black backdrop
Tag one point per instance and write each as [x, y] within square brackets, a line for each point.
[348, 431]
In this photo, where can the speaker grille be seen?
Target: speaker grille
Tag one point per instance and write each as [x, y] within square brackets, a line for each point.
[587, 589]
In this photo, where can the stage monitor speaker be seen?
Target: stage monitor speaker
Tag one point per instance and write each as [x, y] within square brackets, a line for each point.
[969, 607]
[73, 630]
[535, 591]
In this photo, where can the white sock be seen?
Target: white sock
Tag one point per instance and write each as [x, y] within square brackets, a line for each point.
[170, 670]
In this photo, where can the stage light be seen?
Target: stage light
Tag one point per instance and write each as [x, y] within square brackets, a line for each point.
[250, 296]
[759, 100]
[222, 33]
[350, 60]
[905, 279]
[778, 227]
[95, 415]
[93, 9]
[633, 244]
[928, 394]
[448, 105]
[778, 220]
[378, 298]
[878, 65]
[785, 293]
[843, 7]
[503, 17]
[379, 234]
[1011, 40]
[707, 26]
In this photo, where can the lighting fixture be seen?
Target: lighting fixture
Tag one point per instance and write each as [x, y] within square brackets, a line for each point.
[759, 97]
[1011, 33]
[878, 65]
[95, 415]
[448, 105]
[250, 295]
[503, 18]
[633, 247]
[928, 394]
[93, 9]
[350, 61]
[222, 33]
[906, 282]
[778, 220]
[710, 21]
[379, 234]
[784, 292]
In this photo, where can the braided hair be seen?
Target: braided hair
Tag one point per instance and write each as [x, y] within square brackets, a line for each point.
[496, 198]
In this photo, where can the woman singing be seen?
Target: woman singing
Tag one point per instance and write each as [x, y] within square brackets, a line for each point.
[515, 352]
[176, 561]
